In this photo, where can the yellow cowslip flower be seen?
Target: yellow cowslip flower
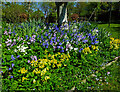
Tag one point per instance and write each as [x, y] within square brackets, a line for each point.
[49, 63]
[93, 47]
[43, 72]
[111, 42]
[47, 68]
[111, 46]
[47, 77]
[46, 51]
[117, 41]
[116, 46]
[62, 60]
[46, 56]
[41, 66]
[36, 71]
[54, 61]
[68, 55]
[49, 55]
[23, 78]
[22, 70]
[112, 38]
[59, 65]
[34, 63]
[52, 57]
[85, 50]
[58, 53]
[53, 65]
[96, 47]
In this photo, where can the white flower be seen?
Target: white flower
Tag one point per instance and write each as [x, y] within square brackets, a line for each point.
[71, 48]
[18, 46]
[76, 27]
[65, 36]
[44, 27]
[66, 49]
[15, 50]
[75, 48]
[34, 80]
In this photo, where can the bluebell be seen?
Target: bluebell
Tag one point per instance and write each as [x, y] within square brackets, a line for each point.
[60, 43]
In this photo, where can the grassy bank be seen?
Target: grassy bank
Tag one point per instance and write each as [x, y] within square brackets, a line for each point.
[114, 29]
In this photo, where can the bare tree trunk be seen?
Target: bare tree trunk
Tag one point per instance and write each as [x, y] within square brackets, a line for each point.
[61, 13]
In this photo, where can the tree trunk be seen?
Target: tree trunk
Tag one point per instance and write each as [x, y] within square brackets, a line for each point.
[61, 13]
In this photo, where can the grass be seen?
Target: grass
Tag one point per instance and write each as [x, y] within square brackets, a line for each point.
[113, 79]
[114, 29]
[110, 81]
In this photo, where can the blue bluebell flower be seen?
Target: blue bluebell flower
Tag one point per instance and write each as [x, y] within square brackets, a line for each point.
[84, 37]
[61, 47]
[89, 34]
[58, 47]
[43, 44]
[56, 28]
[38, 36]
[13, 64]
[10, 68]
[29, 38]
[11, 76]
[85, 41]
[58, 40]
[47, 46]
[89, 46]
[92, 42]
[18, 56]
[62, 51]
[42, 37]
[60, 43]
[80, 49]
[96, 41]
[49, 30]
[13, 31]
[46, 34]
[12, 57]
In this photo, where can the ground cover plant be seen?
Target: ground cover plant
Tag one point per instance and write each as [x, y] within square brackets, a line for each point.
[41, 56]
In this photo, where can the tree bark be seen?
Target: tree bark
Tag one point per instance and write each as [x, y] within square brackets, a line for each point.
[61, 13]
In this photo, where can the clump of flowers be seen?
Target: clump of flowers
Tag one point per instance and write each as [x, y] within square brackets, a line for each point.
[42, 66]
[86, 50]
[21, 48]
[22, 70]
[114, 43]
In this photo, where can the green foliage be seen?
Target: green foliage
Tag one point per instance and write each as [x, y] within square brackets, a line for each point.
[11, 14]
[71, 71]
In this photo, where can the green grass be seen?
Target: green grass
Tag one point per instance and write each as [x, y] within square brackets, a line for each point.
[114, 29]
[112, 80]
